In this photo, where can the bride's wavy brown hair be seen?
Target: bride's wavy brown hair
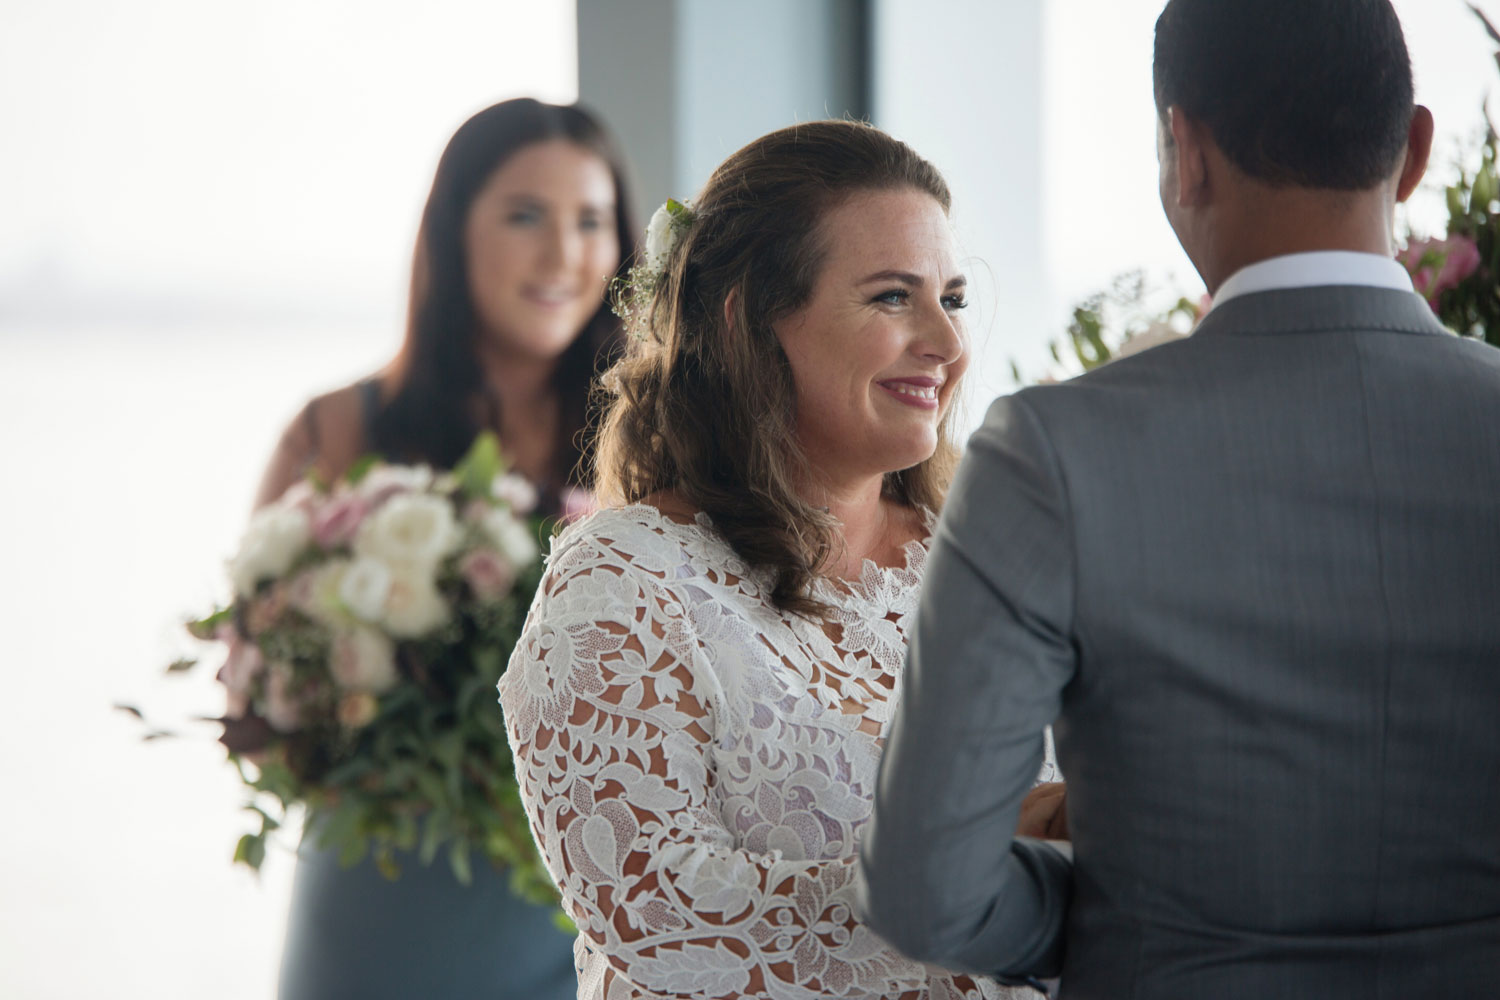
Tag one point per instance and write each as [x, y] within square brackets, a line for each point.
[702, 403]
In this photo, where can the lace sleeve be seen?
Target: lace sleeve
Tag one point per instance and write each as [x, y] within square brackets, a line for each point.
[611, 707]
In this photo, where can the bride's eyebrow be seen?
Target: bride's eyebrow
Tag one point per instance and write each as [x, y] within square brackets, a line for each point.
[914, 280]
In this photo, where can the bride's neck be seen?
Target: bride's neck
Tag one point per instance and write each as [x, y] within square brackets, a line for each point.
[871, 526]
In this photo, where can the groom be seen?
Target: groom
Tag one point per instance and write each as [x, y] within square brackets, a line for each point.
[1253, 577]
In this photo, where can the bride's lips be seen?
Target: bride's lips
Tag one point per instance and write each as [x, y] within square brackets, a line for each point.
[920, 392]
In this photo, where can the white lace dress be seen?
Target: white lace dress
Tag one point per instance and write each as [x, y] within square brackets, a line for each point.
[698, 765]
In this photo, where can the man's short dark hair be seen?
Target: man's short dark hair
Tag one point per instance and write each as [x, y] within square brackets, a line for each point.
[1305, 93]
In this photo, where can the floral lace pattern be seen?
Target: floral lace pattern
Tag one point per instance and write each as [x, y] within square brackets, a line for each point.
[697, 766]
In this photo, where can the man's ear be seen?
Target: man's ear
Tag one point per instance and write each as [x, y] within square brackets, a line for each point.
[1418, 149]
[1190, 151]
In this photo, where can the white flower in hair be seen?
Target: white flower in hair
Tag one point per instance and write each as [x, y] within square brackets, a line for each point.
[665, 231]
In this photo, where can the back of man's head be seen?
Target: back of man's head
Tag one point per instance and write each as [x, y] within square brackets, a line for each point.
[1303, 93]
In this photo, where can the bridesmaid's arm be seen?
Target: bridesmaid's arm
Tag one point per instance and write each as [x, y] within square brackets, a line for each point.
[326, 436]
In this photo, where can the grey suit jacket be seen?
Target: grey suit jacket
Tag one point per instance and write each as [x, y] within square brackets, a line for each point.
[1254, 577]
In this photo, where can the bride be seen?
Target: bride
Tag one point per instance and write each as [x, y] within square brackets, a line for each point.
[697, 704]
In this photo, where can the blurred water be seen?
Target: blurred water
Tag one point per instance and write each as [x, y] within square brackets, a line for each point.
[130, 458]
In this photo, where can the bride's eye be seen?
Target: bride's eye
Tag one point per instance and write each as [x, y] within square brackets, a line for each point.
[894, 297]
[953, 303]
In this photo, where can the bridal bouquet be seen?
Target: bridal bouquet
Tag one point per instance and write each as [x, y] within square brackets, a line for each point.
[369, 625]
[1459, 273]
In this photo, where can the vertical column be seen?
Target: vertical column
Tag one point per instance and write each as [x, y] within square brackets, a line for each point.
[684, 83]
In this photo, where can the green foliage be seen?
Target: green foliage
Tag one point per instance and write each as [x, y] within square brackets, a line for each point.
[477, 470]
[1106, 321]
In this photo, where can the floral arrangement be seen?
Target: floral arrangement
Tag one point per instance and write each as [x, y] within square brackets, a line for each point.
[369, 625]
[1116, 322]
[1459, 273]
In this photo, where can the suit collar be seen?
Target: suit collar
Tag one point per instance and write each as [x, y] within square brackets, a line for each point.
[1323, 309]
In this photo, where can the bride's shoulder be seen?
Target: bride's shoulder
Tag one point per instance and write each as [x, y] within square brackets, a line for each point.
[638, 536]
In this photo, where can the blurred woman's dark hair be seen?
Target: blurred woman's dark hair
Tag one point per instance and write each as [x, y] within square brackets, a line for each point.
[434, 393]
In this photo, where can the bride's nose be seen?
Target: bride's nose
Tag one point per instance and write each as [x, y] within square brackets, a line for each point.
[940, 335]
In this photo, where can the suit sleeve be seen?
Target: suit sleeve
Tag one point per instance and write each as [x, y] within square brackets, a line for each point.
[945, 879]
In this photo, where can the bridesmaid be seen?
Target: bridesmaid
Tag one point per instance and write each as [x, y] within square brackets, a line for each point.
[527, 222]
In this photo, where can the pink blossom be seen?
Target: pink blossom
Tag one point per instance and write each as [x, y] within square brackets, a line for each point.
[385, 481]
[517, 492]
[266, 610]
[335, 523]
[577, 503]
[301, 495]
[242, 665]
[487, 574]
[282, 710]
[475, 511]
[1437, 266]
[363, 660]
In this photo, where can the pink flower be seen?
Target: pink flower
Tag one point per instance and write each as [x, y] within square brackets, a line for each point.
[516, 490]
[385, 481]
[487, 574]
[266, 610]
[243, 664]
[363, 660]
[282, 710]
[301, 495]
[1437, 266]
[335, 523]
[577, 503]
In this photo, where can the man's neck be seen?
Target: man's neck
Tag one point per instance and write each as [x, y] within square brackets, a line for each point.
[1271, 223]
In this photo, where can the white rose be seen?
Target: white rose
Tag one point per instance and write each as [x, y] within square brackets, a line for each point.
[364, 586]
[512, 537]
[413, 607]
[318, 593]
[273, 540]
[659, 239]
[412, 529]
[664, 230]
[364, 660]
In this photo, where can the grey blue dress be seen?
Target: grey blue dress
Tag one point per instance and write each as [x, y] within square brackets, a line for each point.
[353, 934]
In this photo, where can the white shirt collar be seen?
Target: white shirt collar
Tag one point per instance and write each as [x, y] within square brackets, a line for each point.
[1308, 270]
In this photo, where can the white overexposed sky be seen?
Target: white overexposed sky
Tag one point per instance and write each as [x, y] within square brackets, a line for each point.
[167, 155]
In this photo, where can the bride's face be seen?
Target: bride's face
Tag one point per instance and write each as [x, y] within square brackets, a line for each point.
[878, 350]
[541, 244]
